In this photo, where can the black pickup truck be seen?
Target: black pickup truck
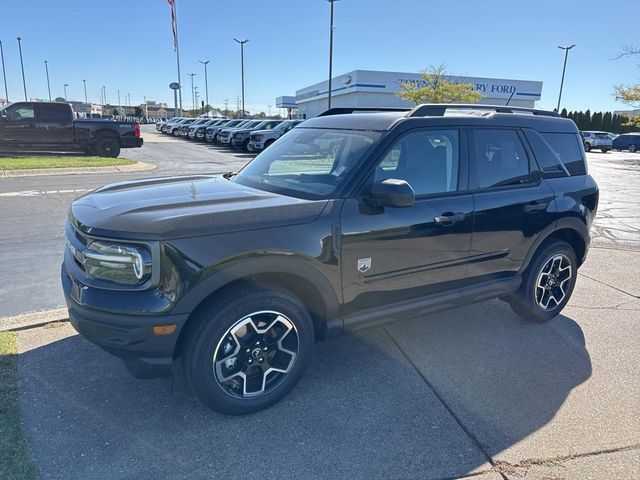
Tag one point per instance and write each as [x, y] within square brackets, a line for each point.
[45, 126]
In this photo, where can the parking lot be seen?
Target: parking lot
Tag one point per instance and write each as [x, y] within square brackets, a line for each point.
[470, 392]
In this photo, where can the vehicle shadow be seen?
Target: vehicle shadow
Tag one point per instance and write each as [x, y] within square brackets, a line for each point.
[366, 407]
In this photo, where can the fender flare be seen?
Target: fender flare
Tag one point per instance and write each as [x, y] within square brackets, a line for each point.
[571, 223]
[234, 270]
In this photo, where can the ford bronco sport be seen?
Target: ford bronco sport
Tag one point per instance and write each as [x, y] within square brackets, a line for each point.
[350, 220]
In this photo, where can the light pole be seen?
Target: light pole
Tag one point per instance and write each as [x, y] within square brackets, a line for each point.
[330, 53]
[65, 90]
[104, 97]
[119, 104]
[46, 69]
[566, 54]
[193, 92]
[4, 73]
[242, 42]
[85, 91]
[206, 81]
[24, 82]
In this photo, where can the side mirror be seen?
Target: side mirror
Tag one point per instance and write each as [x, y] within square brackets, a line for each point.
[393, 193]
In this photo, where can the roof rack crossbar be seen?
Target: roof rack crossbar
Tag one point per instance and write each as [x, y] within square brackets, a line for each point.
[347, 110]
[439, 109]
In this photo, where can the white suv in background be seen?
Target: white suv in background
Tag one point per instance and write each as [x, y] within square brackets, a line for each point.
[598, 140]
[261, 139]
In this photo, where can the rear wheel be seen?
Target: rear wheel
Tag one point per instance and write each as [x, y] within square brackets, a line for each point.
[632, 148]
[107, 147]
[248, 350]
[547, 283]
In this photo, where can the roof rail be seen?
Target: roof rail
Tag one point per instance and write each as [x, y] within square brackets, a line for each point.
[346, 110]
[439, 109]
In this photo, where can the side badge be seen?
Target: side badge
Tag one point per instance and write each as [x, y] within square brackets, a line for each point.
[364, 264]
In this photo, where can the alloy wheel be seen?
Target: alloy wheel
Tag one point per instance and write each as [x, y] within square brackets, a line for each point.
[255, 354]
[553, 283]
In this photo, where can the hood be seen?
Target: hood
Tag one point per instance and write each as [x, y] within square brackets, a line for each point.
[177, 207]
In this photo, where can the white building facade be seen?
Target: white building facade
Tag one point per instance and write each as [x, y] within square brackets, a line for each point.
[369, 88]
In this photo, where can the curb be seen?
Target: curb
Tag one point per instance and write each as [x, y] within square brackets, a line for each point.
[35, 319]
[135, 167]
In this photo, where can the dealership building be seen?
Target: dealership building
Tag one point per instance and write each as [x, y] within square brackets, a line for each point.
[368, 88]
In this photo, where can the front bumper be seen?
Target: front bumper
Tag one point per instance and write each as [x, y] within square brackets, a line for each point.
[256, 146]
[237, 142]
[127, 336]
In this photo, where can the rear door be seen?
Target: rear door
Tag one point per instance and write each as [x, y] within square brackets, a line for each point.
[512, 202]
[55, 123]
[19, 125]
[391, 255]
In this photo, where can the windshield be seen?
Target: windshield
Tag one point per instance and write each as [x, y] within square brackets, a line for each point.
[308, 163]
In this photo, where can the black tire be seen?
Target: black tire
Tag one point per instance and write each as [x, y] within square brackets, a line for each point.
[245, 145]
[204, 351]
[107, 147]
[604, 150]
[632, 148]
[587, 147]
[175, 132]
[526, 301]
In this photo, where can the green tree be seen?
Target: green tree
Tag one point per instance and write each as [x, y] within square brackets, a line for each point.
[436, 87]
[563, 113]
[607, 122]
[587, 120]
[596, 121]
[137, 112]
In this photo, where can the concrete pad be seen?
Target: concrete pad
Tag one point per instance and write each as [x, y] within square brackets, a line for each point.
[360, 412]
[618, 268]
[592, 294]
[604, 466]
[534, 390]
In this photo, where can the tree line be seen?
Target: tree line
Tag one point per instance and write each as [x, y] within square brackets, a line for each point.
[606, 122]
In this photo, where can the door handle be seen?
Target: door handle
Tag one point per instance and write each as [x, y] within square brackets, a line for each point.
[535, 207]
[449, 218]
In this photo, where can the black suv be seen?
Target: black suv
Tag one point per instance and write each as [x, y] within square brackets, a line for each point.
[350, 220]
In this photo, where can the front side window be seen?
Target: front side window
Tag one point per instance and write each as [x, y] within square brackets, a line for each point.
[500, 158]
[427, 160]
[309, 163]
[20, 113]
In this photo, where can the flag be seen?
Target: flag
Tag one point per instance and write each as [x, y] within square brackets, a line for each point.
[172, 4]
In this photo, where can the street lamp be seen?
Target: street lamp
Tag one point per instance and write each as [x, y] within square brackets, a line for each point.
[242, 42]
[65, 90]
[24, 82]
[86, 101]
[206, 81]
[46, 68]
[566, 54]
[330, 53]
[193, 92]
[4, 73]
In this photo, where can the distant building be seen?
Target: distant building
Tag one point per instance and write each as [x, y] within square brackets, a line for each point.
[369, 88]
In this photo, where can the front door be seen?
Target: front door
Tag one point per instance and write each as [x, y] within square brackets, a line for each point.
[392, 255]
[19, 125]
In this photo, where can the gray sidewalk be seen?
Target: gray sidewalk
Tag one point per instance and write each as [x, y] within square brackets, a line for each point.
[473, 391]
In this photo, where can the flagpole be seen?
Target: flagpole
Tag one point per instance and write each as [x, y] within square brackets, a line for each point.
[175, 12]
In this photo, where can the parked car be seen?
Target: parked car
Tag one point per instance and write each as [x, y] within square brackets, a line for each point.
[627, 141]
[594, 139]
[348, 221]
[213, 133]
[261, 139]
[240, 138]
[174, 128]
[162, 123]
[195, 129]
[173, 123]
[46, 126]
[226, 134]
[183, 129]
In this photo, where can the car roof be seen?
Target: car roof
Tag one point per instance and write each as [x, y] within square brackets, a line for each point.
[445, 115]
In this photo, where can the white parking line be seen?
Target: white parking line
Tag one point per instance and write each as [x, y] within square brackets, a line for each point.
[35, 193]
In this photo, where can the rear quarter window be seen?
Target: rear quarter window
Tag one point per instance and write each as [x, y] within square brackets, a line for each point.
[558, 154]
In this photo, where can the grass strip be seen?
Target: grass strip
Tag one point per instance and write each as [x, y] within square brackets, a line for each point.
[15, 461]
[31, 163]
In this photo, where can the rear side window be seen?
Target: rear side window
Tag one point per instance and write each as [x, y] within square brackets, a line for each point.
[501, 159]
[558, 154]
[52, 113]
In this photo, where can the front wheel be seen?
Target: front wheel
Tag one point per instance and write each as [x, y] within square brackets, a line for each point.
[587, 147]
[248, 350]
[547, 283]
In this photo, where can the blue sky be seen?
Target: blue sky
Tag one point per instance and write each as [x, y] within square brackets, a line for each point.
[127, 45]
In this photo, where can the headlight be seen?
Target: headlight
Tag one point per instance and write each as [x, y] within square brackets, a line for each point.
[240, 135]
[125, 264]
[258, 137]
